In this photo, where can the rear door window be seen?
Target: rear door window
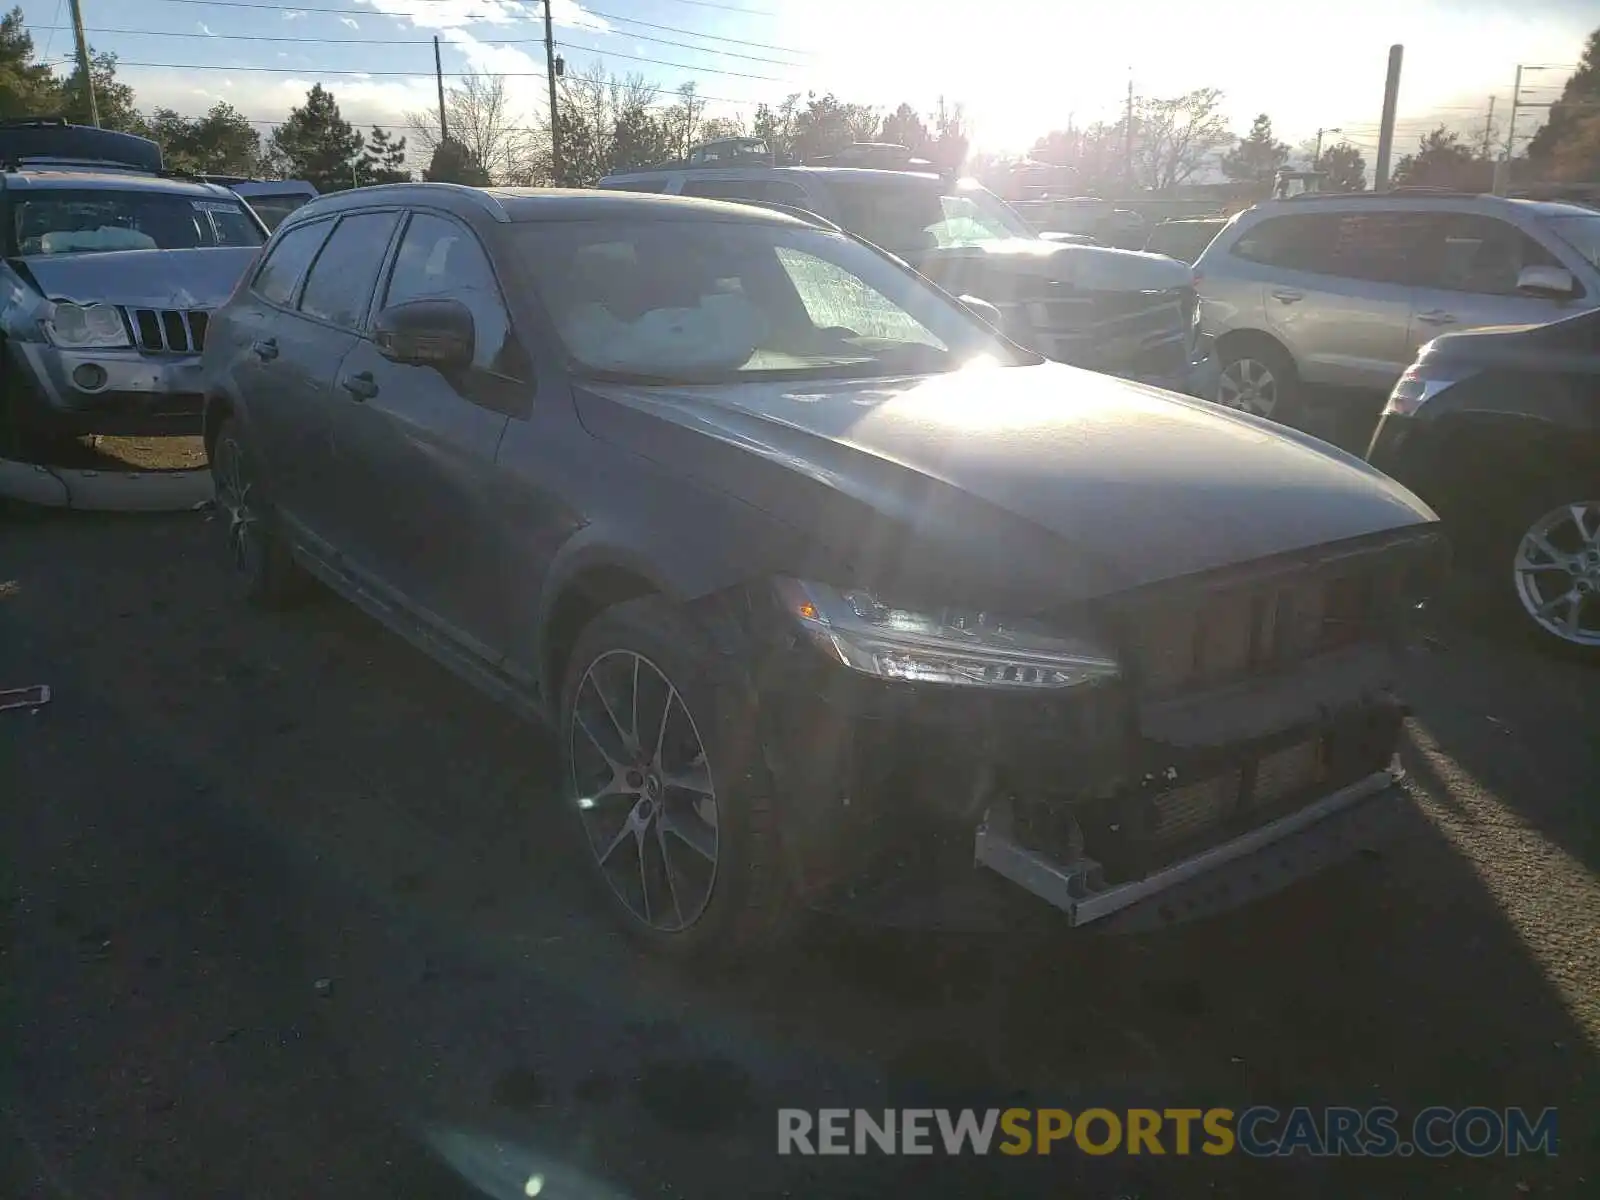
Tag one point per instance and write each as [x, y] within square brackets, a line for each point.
[287, 261]
[1379, 247]
[342, 278]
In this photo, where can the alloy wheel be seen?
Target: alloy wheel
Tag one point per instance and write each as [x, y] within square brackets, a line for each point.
[1250, 386]
[644, 790]
[1557, 572]
[233, 488]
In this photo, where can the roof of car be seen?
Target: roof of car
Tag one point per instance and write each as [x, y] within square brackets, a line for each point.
[843, 173]
[42, 176]
[514, 205]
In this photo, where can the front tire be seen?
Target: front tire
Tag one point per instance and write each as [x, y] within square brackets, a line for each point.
[665, 779]
[1259, 378]
[263, 570]
[1548, 562]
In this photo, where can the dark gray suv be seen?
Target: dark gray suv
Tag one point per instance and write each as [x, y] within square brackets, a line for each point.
[831, 593]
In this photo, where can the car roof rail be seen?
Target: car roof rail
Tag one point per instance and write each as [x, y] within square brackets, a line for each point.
[1403, 191]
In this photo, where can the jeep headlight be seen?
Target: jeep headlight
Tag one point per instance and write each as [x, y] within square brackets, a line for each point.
[941, 645]
[86, 327]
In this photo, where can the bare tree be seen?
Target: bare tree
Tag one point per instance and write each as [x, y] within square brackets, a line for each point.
[1173, 138]
[606, 121]
[481, 117]
[684, 117]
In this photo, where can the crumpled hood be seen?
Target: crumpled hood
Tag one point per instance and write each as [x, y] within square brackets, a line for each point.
[142, 278]
[1139, 484]
[1088, 268]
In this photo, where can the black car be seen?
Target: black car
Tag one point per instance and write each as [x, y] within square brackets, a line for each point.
[829, 591]
[1500, 430]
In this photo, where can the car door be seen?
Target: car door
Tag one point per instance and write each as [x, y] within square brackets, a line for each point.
[1337, 292]
[1468, 277]
[283, 367]
[421, 447]
[328, 315]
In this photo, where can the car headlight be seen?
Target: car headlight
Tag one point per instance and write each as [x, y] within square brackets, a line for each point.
[86, 327]
[1415, 388]
[970, 649]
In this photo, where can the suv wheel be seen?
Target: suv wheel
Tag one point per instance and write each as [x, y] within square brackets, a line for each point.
[264, 571]
[664, 773]
[1261, 380]
[1555, 568]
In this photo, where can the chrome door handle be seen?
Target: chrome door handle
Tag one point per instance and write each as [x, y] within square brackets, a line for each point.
[361, 385]
[266, 350]
[1285, 296]
[1436, 316]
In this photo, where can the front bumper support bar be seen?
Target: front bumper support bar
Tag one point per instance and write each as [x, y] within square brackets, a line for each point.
[1077, 888]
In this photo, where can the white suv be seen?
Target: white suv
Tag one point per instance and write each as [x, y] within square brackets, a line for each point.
[1343, 290]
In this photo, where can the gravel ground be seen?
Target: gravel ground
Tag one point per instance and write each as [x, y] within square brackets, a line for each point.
[286, 906]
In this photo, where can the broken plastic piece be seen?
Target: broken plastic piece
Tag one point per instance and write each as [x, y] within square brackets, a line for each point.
[28, 697]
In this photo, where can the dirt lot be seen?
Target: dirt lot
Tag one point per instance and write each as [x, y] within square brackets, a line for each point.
[284, 902]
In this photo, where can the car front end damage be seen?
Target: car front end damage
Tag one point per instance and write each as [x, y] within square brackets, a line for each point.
[110, 343]
[1119, 312]
[1233, 733]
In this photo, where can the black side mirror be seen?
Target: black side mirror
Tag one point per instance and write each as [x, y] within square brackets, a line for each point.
[426, 333]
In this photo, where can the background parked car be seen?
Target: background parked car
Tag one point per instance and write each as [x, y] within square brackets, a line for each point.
[736, 499]
[1499, 430]
[271, 199]
[1184, 239]
[110, 273]
[1342, 290]
[1124, 313]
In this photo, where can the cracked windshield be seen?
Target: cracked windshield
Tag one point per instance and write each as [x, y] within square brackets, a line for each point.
[619, 599]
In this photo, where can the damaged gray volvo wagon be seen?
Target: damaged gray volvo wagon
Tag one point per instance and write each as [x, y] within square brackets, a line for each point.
[833, 596]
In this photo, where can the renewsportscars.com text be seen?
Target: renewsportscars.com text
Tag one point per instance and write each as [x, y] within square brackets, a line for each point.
[1258, 1131]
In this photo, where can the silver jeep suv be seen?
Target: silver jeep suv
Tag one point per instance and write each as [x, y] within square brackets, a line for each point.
[1343, 290]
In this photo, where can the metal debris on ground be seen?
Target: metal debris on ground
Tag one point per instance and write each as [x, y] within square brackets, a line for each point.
[26, 697]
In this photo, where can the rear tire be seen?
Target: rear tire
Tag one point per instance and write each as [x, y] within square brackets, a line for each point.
[263, 569]
[1260, 378]
[1542, 562]
[667, 786]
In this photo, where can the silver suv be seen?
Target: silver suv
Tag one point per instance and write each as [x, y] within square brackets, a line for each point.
[1343, 290]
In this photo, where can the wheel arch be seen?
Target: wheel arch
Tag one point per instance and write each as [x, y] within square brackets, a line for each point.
[582, 585]
[1238, 341]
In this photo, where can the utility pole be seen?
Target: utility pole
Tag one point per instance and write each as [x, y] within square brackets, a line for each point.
[1127, 140]
[83, 63]
[438, 78]
[550, 77]
[1391, 98]
[1488, 130]
[1318, 156]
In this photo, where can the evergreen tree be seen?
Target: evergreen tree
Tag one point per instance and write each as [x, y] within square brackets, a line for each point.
[384, 160]
[316, 144]
[453, 163]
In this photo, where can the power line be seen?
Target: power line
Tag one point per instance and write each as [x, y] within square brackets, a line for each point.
[360, 41]
[749, 12]
[251, 37]
[677, 65]
[712, 37]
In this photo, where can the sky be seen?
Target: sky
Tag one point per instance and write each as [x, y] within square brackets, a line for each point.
[1020, 67]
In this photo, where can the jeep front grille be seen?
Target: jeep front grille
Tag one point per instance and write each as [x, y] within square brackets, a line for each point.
[169, 330]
